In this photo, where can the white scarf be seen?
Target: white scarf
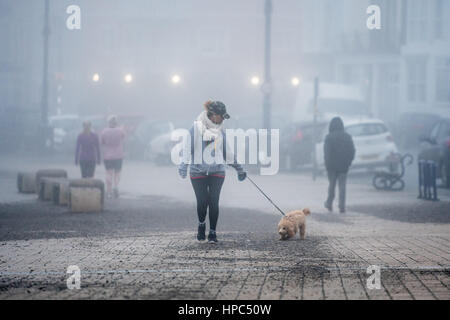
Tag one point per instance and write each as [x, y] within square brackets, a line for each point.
[209, 130]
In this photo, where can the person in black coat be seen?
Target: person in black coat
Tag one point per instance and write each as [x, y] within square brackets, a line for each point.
[339, 152]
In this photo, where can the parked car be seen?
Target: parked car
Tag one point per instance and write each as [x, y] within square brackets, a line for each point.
[436, 147]
[278, 122]
[297, 144]
[374, 145]
[98, 123]
[66, 128]
[410, 126]
[150, 140]
[129, 122]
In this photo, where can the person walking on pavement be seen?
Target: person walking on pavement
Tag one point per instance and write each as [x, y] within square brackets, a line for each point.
[87, 153]
[339, 152]
[111, 140]
[207, 179]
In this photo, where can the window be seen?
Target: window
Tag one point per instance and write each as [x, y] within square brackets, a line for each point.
[435, 131]
[438, 19]
[370, 129]
[417, 20]
[356, 131]
[443, 79]
[381, 128]
[444, 132]
[417, 79]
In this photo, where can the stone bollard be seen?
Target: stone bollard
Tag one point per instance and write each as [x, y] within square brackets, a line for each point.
[61, 192]
[46, 187]
[86, 195]
[49, 173]
[26, 182]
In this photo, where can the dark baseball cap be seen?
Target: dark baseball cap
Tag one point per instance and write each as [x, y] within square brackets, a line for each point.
[219, 108]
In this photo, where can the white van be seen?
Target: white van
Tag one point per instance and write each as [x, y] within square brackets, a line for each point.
[334, 100]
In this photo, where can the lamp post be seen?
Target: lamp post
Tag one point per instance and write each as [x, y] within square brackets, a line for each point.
[44, 129]
[316, 98]
[267, 85]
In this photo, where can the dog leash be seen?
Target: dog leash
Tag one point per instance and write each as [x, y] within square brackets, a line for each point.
[266, 196]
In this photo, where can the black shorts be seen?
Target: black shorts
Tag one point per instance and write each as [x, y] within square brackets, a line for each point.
[115, 164]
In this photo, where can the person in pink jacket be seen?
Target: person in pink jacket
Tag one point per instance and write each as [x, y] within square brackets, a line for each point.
[111, 140]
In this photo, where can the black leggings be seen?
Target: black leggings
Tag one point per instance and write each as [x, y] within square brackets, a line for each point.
[207, 190]
[87, 169]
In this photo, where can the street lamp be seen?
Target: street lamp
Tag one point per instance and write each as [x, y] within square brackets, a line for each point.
[128, 78]
[267, 92]
[255, 80]
[295, 81]
[176, 79]
[96, 77]
[45, 133]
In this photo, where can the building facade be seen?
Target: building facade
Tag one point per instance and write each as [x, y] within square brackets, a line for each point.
[216, 47]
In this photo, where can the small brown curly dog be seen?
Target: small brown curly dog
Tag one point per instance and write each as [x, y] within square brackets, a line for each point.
[291, 223]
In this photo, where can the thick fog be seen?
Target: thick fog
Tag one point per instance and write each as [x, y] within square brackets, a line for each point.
[147, 60]
[319, 129]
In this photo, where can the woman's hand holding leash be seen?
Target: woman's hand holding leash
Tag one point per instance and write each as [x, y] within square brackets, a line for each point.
[182, 173]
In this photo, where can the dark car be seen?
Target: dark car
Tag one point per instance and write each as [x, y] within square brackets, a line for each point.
[410, 126]
[296, 144]
[437, 148]
[278, 121]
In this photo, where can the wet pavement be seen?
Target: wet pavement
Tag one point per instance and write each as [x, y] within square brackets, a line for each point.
[143, 245]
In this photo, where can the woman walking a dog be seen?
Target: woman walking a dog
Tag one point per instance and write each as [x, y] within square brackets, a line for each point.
[207, 177]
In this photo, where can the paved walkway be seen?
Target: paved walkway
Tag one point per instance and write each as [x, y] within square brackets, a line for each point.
[143, 245]
[245, 265]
